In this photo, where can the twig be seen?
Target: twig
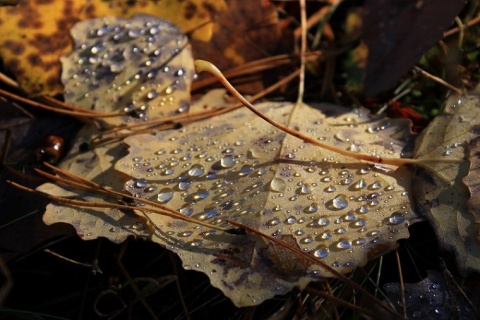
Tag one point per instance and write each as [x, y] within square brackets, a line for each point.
[437, 79]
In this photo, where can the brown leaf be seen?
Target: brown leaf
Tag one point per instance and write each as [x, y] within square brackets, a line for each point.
[398, 33]
[441, 193]
[237, 167]
[472, 180]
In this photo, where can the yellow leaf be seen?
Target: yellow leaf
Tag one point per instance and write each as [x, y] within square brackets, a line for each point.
[34, 34]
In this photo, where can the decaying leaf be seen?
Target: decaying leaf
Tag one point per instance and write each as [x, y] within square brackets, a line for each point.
[394, 46]
[142, 67]
[472, 180]
[97, 166]
[429, 299]
[240, 168]
[34, 34]
[440, 191]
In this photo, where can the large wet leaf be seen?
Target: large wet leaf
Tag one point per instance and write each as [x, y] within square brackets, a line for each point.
[441, 193]
[240, 168]
[97, 166]
[34, 34]
[141, 67]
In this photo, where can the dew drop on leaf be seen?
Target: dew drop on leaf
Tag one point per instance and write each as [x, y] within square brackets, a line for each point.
[340, 202]
[165, 195]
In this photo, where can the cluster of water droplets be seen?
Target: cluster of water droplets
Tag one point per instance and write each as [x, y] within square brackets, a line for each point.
[272, 182]
[128, 65]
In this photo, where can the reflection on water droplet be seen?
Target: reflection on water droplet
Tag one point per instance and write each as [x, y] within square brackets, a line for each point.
[321, 252]
[376, 185]
[360, 223]
[365, 170]
[141, 183]
[165, 195]
[201, 194]
[360, 184]
[196, 170]
[273, 222]
[344, 244]
[291, 220]
[184, 185]
[210, 212]
[227, 161]
[185, 234]
[277, 185]
[186, 210]
[306, 240]
[396, 218]
[306, 189]
[312, 208]
[323, 221]
[325, 236]
[340, 202]
[373, 233]
[330, 189]
[245, 170]
[359, 242]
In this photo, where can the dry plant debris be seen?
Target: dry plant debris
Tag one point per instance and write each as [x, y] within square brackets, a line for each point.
[186, 188]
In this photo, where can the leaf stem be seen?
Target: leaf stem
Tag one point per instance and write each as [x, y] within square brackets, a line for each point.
[202, 65]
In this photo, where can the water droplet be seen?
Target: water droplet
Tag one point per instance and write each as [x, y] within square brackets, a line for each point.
[312, 208]
[306, 189]
[140, 183]
[396, 218]
[376, 185]
[196, 170]
[185, 234]
[186, 210]
[306, 240]
[227, 161]
[344, 244]
[360, 223]
[359, 242]
[137, 159]
[374, 233]
[277, 185]
[340, 136]
[201, 194]
[150, 189]
[321, 252]
[290, 156]
[299, 232]
[245, 170]
[195, 243]
[325, 236]
[360, 184]
[239, 143]
[291, 220]
[165, 195]
[340, 202]
[184, 185]
[330, 189]
[447, 152]
[346, 181]
[323, 221]
[210, 212]
[273, 222]
[365, 170]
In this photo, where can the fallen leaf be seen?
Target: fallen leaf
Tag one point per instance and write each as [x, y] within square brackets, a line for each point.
[240, 168]
[440, 193]
[34, 34]
[429, 299]
[97, 166]
[472, 181]
[247, 30]
[140, 67]
[397, 34]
